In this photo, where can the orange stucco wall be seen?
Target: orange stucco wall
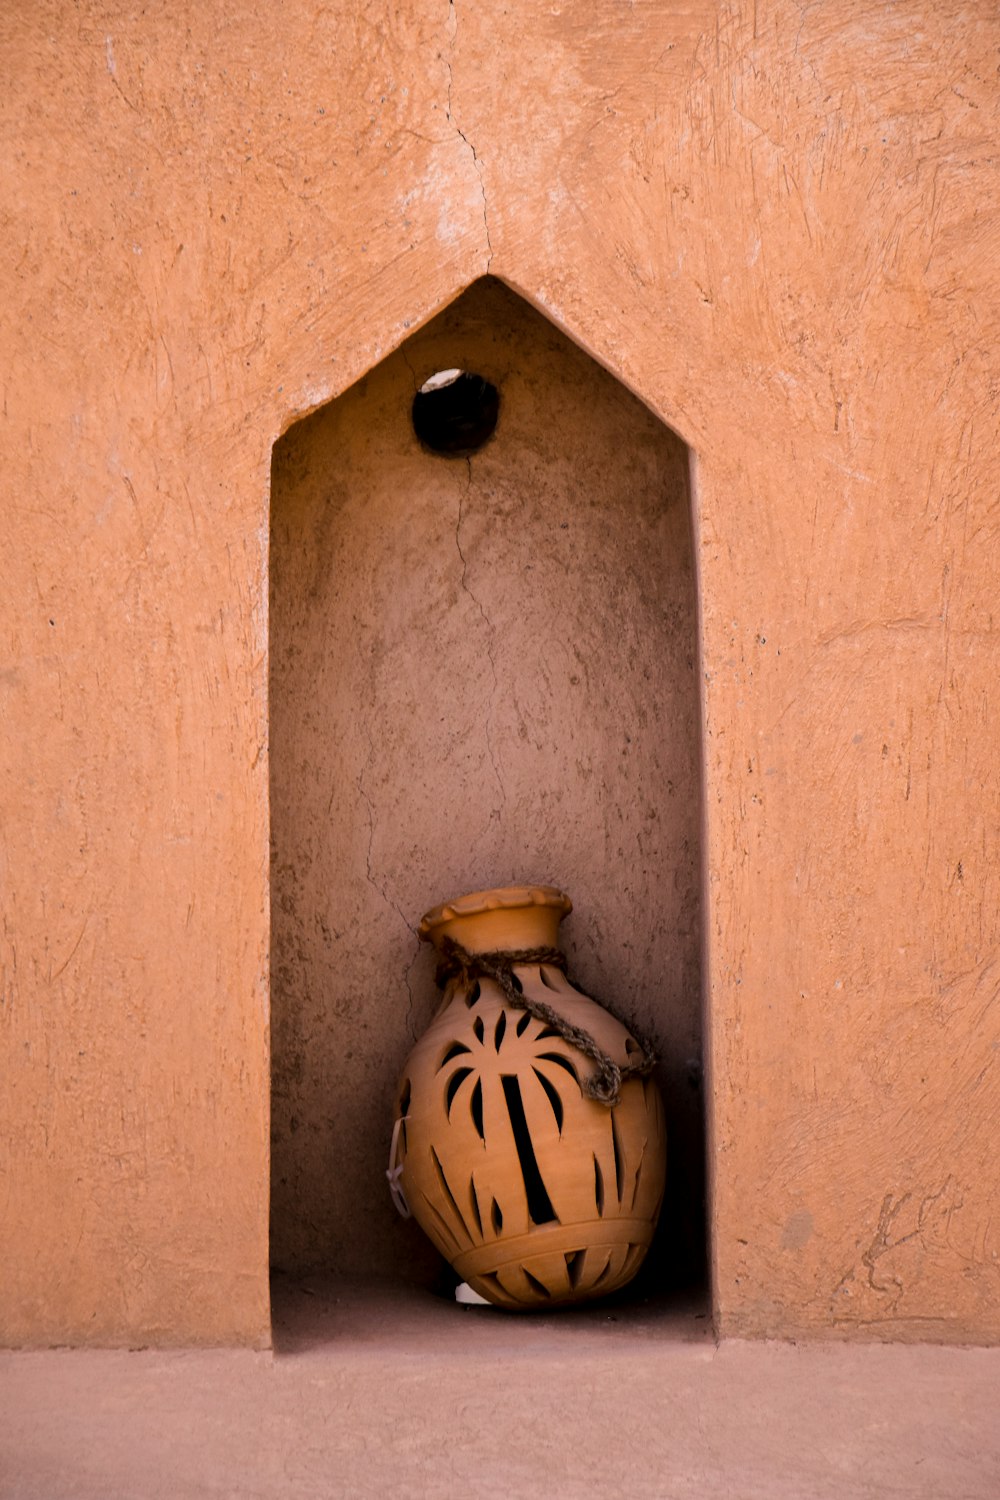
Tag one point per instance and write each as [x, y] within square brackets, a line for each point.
[777, 225]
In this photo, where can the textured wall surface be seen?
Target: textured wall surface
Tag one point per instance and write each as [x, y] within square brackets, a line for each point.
[482, 671]
[774, 222]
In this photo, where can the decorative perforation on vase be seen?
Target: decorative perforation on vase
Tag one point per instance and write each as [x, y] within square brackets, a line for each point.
[536, 1193]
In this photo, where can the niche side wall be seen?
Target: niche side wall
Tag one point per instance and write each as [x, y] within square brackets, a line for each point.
[482, 671]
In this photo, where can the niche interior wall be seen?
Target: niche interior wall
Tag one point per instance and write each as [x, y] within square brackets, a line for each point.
[482, 671]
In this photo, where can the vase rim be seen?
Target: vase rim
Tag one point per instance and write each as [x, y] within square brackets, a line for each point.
[500, 898]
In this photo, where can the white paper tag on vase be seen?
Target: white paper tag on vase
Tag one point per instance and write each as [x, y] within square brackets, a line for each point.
[469, 1298]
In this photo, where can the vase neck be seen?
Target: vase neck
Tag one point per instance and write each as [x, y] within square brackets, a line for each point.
[501, 920]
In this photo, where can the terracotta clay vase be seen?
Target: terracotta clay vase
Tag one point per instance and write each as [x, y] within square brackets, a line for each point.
[536, 1193]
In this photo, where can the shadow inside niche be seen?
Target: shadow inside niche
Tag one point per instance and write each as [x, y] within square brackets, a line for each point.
[311, 1313]
[482, 670]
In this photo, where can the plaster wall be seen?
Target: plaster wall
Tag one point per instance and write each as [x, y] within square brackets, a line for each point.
[776, 224]
[482, 671]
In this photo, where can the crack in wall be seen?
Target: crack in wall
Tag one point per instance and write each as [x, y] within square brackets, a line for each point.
[882, 1243]
[409, 366]
[409, 1021]
[381, 890]
[869, 1274]
[490, 645]
[453, 15]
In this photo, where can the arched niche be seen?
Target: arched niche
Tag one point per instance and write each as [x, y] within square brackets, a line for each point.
[482, 671]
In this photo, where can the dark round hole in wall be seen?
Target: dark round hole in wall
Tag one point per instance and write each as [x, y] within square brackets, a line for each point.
[455, 412]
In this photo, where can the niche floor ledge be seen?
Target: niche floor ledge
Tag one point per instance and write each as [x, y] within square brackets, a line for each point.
[317, 1314]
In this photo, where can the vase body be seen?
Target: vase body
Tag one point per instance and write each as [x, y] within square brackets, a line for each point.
[536, 1194]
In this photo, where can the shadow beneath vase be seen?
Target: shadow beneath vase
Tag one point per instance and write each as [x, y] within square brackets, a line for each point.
[389, 1317]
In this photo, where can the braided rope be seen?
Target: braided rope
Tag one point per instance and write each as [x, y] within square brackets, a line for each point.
[604, 1085]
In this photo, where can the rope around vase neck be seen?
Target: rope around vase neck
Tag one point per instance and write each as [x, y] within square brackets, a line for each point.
[605, 1084]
